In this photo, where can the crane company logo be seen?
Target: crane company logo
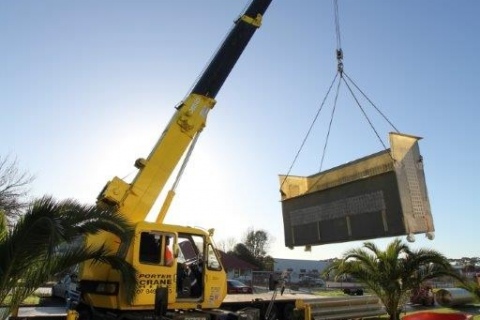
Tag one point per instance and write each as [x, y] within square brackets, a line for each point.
[146, 280]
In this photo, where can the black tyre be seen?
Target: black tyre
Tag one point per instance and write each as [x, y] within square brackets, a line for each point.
[288, 311]
[84, 314]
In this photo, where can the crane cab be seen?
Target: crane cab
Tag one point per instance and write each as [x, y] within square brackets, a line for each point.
[181, 261]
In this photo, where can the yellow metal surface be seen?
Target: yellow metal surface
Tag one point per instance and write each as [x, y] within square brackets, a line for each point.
[257, 21]
[152, 276]
[136, 199]
[72, 315]
[375, 164]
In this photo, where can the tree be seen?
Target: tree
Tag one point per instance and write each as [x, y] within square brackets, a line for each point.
[393, 273]
[268, 263]
[472, 286]
[13, 189]
[257, 242]
[227, 245]
[242, 252]
[3, 226]
[29, 253]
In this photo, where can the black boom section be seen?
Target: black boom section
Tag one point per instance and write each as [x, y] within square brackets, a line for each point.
[224, 60]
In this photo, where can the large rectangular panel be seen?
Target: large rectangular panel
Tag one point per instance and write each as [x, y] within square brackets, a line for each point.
[381, 195]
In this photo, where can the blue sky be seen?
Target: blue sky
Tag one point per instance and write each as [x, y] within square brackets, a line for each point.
[88, 86]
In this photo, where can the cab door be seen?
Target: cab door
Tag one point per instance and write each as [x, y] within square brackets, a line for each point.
[190, 267]
[155, 262]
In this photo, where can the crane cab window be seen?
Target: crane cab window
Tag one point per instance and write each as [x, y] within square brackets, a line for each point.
[156, 248]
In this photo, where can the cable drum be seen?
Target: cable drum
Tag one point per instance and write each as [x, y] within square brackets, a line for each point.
[453, 297]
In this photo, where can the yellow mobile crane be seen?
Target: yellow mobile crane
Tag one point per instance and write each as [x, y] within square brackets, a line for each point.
[193, 286]
[196, 279]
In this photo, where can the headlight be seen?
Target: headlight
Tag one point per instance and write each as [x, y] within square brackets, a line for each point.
[107, 288]
[99, 287]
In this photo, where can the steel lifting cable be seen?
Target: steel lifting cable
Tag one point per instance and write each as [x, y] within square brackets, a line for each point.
[365, 114]
[339, 72]
[339, 39]
[308, 133]
[339, 52]
[337, 24]
[373, 104]
[341, 75]
[346, 79]
[330, 125]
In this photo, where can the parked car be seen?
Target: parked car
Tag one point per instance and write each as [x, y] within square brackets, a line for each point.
[62, 288]
[311, 282]
[353, 291]
[235, 287]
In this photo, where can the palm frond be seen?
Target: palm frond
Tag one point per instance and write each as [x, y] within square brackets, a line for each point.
[393, 272]
[30, 255]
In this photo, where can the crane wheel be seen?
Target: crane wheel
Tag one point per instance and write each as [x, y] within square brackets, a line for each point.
[289, 312]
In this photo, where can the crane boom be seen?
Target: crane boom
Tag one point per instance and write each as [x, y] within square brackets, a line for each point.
[136, 199]
[196, 279]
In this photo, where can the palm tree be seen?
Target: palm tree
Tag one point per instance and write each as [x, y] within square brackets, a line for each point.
[473, 286]
[30, 255]
[393, 273]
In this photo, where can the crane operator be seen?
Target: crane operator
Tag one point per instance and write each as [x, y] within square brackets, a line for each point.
[168, 255]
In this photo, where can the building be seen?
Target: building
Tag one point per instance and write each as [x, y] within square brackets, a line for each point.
[299, 269]
[237, 268]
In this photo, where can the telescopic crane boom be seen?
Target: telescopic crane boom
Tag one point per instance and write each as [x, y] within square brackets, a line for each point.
[136, 199]
[196, 280]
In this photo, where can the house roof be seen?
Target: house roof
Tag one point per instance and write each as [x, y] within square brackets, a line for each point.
[230, 261]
